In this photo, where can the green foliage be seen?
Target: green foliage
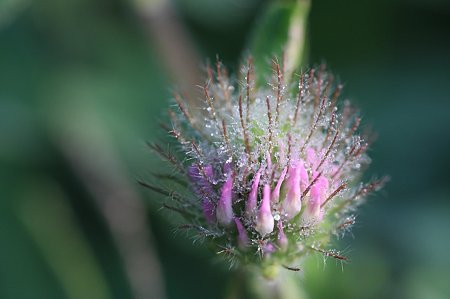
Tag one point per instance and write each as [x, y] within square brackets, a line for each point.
[281, 31]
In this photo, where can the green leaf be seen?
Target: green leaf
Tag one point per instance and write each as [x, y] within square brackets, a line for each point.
[281, 28]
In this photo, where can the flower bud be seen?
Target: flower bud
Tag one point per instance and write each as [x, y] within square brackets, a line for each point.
[317, 197]
[201, 178]
[242, 238]
[292, 203]
[250, 206]
[276, 192]
[268, 249]
[281, 238]
[264, 220]
[224, 211]
[300, 146]
[208, 208]
[304, 180]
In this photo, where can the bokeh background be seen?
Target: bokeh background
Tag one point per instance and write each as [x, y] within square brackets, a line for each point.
[83, 85]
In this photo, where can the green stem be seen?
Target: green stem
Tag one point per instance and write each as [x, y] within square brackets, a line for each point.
[249, 283]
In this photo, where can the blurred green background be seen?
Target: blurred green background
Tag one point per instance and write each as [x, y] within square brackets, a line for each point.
[84, 83]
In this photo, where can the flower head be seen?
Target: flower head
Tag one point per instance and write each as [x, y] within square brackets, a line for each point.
[270, 172]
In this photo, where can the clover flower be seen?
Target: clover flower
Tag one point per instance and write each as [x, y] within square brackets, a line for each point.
[267, 173]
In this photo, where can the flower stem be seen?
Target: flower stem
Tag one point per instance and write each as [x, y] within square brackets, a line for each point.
[250, 283]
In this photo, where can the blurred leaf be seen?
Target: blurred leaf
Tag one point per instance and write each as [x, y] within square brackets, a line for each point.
[51, 224]
[282, 28]
[10, 9]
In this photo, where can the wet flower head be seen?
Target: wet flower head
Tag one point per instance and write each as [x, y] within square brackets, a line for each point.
[267, 173]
